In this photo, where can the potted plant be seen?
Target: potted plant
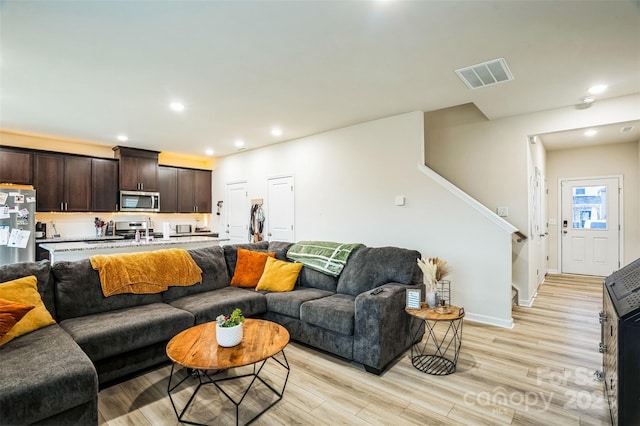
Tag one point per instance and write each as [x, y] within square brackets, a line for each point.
[229, 328]
[99, 223]
[433, 271]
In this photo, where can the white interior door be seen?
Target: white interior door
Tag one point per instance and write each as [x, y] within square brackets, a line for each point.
[589, 226]
[280, 209]
[539, 224]
[237, 213]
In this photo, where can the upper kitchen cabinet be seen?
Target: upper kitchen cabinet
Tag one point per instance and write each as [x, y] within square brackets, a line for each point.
[138, 169]
[104, 185]
[16, 166]
[194, 191]
[168, 183]
[62, 182]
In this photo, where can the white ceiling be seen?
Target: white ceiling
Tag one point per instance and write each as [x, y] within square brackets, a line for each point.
[607, 134]
[90, 70]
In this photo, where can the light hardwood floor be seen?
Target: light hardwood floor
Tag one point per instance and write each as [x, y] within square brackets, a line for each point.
[541, 372]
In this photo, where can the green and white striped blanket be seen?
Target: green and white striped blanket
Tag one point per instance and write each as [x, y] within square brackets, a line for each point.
[323, 256]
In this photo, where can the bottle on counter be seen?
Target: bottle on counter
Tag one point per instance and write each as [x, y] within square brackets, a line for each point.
[137, 235]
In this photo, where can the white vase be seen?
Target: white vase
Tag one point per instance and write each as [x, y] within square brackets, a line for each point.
[431, 297]
[229, 336]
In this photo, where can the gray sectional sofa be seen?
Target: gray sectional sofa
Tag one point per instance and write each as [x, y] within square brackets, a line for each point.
[52, 375]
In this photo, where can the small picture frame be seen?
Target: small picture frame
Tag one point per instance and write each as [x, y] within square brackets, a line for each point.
[414, 297]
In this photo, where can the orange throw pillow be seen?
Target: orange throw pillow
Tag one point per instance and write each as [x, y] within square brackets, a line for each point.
[11, 313]
[249, 267]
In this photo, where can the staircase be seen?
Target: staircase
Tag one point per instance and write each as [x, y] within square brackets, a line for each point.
[514, 296]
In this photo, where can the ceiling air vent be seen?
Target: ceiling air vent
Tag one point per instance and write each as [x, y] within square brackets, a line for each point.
[485, 74]
[626, 129]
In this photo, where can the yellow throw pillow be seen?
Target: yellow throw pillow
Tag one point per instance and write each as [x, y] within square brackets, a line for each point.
[25, 290]
[279, 275]
[249, 267]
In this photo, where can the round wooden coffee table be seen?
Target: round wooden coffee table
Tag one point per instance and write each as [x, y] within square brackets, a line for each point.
[196, 348]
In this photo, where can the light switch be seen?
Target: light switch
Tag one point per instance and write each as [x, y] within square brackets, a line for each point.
[400, 200]
[503, 211]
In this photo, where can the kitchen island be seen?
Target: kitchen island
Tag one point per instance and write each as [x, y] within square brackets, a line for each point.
[61, 251]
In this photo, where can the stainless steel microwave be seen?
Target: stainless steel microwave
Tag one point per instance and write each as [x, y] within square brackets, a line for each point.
[137, 201]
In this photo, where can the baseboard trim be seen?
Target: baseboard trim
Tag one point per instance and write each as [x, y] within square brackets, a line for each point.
[527, 303]
[484, 319]
[552, 271]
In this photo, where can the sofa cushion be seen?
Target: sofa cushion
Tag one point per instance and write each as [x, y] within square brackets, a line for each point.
[311, 278]
[78, 292]
[207, 306]
[214, 273]
[280, 248]
[249, 267]
[370, 267]
[279, 275]
[288, 303]
[307, 276]
[42, 374]
[111, 333]
[25, 290]
[335, 313]
[42, 271]
[231, 253]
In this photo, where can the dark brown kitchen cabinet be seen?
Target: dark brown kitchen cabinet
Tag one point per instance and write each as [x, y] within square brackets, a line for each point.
[194, 191]
[104, 185]
[168, 184]
[202, 191]
[138, 169]
[62, 182]
[16, 166]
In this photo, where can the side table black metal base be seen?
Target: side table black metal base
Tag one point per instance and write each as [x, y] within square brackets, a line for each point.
[437, 356]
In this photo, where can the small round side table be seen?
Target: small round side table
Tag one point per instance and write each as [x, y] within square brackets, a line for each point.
[438, 353]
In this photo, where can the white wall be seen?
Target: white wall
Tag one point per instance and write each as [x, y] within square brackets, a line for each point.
[490, 159]
[602, 160]
[345, 185]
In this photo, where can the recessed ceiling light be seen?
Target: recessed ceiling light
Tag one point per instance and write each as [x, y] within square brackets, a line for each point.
[239, 143]
[209, 152]
[590, 132]
[176, 106]
[589, 99]
[122, 138]
[276, 131]
[597, 89]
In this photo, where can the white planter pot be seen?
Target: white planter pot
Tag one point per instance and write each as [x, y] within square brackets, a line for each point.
[229, 336]
[431, 297]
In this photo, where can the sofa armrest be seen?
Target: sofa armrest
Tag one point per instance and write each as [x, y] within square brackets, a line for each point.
[382, 327]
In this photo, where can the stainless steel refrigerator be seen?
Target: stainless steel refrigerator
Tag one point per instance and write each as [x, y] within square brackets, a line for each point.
[17, 224]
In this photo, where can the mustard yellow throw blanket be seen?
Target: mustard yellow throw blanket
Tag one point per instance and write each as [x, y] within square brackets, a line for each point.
[146, 272]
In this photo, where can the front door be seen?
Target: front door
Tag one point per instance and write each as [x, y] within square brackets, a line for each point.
[589, 226]
[237, 213]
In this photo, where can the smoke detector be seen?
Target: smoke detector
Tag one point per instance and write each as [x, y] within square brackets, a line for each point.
[485, 74]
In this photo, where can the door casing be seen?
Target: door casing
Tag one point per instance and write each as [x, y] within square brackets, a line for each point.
[620, 215]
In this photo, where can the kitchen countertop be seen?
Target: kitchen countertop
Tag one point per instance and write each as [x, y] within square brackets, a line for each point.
[71, 239]
[120, 237]
[57, 246]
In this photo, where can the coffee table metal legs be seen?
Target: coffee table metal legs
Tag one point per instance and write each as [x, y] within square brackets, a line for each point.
[204, 378]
